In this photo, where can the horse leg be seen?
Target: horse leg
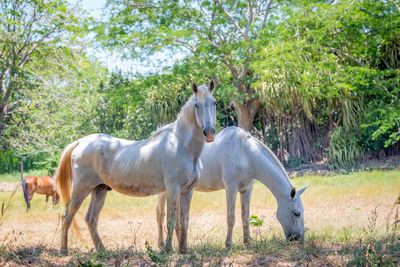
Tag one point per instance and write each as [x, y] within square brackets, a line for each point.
[97, 200]
[28, 206]
[77, 198]
[30, 196]
[183, 222]
[160, 218]
[231, 194]
[30, 191]
[47, 198]
[178, 221]
[172, 199]
[245, 197]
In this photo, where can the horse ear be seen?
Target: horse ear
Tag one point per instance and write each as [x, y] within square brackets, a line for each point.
[293, 192]
[194, 88]
[211, 86]
[301, 191]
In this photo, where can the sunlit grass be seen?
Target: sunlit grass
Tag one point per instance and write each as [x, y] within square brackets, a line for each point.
[338, 214]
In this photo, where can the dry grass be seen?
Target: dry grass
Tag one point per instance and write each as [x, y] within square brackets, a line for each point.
[345, 215]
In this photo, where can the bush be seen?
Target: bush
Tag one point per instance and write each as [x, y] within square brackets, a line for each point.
[343, 150]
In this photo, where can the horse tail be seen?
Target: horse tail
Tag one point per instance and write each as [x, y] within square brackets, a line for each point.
[25, 191]
[64, 179]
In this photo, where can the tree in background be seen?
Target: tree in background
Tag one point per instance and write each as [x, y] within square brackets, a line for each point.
[25, 27]
[323, 75]
[49, 87]
[214, 32]
[314, 66]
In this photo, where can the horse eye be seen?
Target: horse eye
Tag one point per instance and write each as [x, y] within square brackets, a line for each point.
[297, 214]
[196, 105]
[215, 103]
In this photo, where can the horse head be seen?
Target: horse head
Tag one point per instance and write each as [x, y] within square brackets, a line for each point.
[55, 198]
[205, 109]
[290, 214]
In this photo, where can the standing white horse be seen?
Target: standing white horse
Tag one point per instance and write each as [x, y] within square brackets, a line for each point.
[232, 162]
[166, 162]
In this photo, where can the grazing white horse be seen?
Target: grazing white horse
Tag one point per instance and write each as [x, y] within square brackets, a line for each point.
[232, 162]
[166, 162]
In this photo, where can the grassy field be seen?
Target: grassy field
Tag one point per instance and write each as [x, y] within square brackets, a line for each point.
[346, 218]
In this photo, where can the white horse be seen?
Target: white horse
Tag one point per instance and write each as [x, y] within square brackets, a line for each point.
[166, 162]
[232, 162]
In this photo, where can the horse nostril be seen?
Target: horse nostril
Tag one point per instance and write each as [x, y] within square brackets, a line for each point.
[293, 237]
[213, 131]
[205, 132]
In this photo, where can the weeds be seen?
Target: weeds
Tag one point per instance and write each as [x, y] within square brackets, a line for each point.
[158, 258]
[375, 251]
[5, 205]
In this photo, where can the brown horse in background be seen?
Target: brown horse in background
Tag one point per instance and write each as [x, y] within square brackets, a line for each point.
[43, 185]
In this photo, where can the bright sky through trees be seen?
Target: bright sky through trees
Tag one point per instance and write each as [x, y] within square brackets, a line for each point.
[114, 61]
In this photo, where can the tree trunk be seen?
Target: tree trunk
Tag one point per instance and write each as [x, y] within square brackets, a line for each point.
[246, 113]
[2, 121]
[247, 110]
[245, 120]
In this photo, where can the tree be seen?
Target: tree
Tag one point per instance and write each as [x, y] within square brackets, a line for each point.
[59, 107]
[214, 32]
[25, 27]
[331, 65]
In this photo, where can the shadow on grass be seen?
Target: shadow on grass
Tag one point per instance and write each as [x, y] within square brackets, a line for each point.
[271, 251]
[29, 255]
[315, 251]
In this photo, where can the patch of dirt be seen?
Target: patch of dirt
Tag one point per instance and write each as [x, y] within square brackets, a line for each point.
[9, 186]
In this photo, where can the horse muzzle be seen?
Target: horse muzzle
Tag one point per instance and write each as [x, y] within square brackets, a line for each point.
[295, 237]
[209, 134]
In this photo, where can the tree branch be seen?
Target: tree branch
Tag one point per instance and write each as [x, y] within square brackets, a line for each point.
[250, 16]
[266, 14]
[338, 52]
[232, 19]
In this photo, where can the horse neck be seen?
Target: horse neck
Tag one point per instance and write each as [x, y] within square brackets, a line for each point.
[271, 173]
[190, 136]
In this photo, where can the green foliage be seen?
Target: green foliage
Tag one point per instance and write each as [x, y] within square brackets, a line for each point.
[381, 123]
[10, 162]
[344, 150]
[89, 263]
[314, 66]
[256, 221]
[158, 258]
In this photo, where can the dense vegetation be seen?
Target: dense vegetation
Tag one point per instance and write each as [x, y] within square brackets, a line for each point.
[314, 79]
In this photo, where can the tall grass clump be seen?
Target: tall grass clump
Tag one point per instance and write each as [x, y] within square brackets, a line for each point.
[344, 150]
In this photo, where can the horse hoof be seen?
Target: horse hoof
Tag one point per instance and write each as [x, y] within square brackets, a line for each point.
[168, 249]
[247, 242]
[101, 249]
[183, 251]
[64, 252]
[228, 245]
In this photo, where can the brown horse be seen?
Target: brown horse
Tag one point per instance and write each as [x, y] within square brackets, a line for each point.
[43, 185]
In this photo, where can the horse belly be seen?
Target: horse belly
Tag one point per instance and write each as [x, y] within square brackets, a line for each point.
[44, 190]
[209, 183]
[211, 176]
[137, 186]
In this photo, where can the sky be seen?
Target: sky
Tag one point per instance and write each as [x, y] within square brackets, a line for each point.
[113, 61]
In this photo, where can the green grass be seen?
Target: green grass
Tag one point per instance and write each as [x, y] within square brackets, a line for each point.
[346, 217]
